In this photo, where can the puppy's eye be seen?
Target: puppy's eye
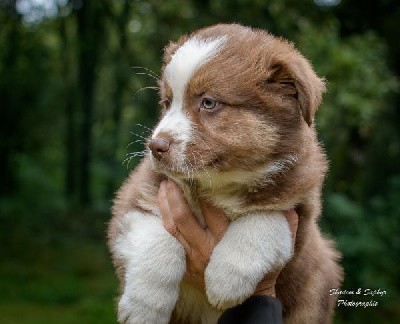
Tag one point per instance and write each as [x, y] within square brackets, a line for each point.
[209, 103]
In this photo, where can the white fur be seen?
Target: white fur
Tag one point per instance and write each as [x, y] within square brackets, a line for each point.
[253, 246]
[187, 59]
[154, 266]
[175, 123]
[184, 63]
[218, 180]
[280, 166]
[231, 204]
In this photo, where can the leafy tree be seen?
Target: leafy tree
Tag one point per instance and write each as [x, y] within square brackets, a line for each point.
[78, 92]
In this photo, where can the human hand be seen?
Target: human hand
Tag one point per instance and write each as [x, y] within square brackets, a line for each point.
[179, 221]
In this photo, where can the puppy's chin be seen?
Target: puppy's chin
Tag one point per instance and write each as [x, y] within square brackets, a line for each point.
[179, 170]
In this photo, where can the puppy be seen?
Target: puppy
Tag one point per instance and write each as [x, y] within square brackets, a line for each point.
[236, 130]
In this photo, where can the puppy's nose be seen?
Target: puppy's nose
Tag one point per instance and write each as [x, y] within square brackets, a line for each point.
[158, 147]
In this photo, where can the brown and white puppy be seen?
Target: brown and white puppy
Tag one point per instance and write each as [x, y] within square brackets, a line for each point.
[237, 130]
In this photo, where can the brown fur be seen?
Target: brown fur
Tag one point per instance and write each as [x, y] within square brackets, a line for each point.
[270, 95]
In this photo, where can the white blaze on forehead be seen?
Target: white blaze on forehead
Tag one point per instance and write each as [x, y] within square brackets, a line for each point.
[184, 62]
[187, 59]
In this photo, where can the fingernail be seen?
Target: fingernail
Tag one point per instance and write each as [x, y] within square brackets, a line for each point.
[162, 185]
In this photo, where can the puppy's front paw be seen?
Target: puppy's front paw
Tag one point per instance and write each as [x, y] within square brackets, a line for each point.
[127, 311]
[132, 310]
[253, 246]
[227, 285]
[154, 264]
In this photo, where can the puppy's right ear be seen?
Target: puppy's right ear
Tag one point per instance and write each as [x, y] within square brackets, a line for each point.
[169, 50]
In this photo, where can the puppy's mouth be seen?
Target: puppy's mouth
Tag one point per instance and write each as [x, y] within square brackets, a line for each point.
[180, 160]
[174, 170]
[182, 167]
[173, 165]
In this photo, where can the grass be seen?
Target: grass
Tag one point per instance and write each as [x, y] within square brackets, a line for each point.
[58, 283]
[66, 277]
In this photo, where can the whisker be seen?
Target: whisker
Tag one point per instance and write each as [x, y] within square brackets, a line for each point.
[134, 142]
[140, 136]
[134, 154]
[127, 159]
[144, 88]
[144, 126]
[151, 73]
[144, 73]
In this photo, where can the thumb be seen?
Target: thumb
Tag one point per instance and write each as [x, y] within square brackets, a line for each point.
[215, 219]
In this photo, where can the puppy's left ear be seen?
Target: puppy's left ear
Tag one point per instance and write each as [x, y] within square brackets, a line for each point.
[309, 86]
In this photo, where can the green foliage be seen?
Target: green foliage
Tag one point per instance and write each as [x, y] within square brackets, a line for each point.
[58, 283]
[55, 265]
[364, 221]
[358, 84]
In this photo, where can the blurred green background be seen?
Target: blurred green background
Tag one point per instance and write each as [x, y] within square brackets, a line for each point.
[74, 98]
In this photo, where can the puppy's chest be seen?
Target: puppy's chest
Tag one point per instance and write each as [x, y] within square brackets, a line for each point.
[232, 204]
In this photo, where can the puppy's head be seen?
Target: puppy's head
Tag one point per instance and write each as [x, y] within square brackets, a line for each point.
[234, 99]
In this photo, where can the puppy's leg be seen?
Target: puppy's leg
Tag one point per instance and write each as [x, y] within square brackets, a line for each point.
[253, 246]
[154, 264]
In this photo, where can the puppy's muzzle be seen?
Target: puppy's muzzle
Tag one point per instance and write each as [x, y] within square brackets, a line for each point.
[159, 147]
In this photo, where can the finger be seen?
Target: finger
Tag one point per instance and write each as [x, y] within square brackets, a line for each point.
[165, 210]
[167, 218]
[183, 217]
[215, 218]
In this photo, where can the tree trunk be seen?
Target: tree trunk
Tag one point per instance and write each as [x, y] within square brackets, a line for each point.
[89, 29]
[70, 143]
[121, 73]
